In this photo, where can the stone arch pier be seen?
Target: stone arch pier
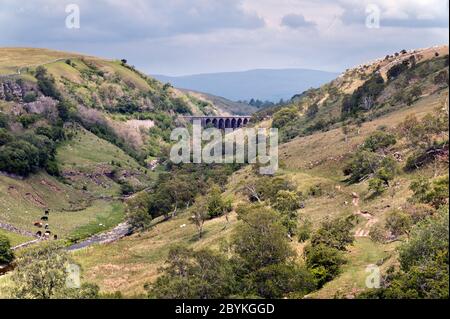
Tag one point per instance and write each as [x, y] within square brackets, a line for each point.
[221, 122]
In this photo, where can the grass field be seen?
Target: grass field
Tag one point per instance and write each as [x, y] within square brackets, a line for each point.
[73, 205]
[126, 265]
[12, 58]
[15, 239]
[5, 286]
[352, 280]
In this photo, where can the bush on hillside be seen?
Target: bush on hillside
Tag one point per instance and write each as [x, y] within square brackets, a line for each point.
[6, 254]
[378, 140]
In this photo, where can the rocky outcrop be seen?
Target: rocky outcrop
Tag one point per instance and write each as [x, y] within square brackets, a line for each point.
[14, 90]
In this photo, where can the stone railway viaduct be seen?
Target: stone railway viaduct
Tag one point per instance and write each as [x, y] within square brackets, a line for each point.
[220, 122]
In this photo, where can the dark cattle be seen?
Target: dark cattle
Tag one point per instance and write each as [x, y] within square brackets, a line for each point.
[55, 237]
[46, 226]
[44, 218]
[47, 212]
[39, 234]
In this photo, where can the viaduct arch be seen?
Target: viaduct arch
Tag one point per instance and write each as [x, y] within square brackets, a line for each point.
[221, 122]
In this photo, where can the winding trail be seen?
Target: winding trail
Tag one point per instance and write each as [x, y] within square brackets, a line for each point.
[371, 220]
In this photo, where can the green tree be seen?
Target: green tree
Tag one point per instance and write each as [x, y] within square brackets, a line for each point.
[217, 205]
[379, 140]
[6, 254]
[138, 211]
[378, 233]
[199, 213]
[41, 274]
[434, 193]
[398, 223]
[335, 233]
[287, 203]
[284, 116]
[304, 230]
[280, 280]
[192, 274]
[46, 83]
[261, 239]
[324, 262]
[377, 186]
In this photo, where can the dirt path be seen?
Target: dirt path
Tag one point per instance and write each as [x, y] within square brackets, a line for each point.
[371, 220]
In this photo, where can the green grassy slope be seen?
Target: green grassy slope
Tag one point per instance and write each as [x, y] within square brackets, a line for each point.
[307, 161]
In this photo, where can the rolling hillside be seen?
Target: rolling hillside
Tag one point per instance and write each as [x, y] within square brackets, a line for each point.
[114, 122]
[310, 162]
[352, 150]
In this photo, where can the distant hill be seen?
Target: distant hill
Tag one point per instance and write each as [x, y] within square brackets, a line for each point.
[220, 103]
[263, 84]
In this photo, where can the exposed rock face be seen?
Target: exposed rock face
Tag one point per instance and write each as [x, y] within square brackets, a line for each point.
[43, 105]
[14, 90]
[10, 90]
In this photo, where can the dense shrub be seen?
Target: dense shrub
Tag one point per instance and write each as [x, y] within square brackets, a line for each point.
[5, 137]
[193, 274]
[365, 164]
[283, 117]
[27, 153]
[30, 97]
[434, 193]
[46, 83]
[398, 223]
[424, 264]
[324, 262]
[378, 140]
[277, 281]
[4, 120]
[6, 254]
[396, 70]
[334, 233]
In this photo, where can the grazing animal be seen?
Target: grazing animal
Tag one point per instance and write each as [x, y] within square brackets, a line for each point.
[46, 226]
[37, 224]
[55, 237]
[39, 234]
[47, 212]
[44, 218]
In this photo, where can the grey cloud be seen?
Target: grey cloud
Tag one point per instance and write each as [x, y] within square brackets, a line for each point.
[296, 21]
[110, 20]
[357, 15]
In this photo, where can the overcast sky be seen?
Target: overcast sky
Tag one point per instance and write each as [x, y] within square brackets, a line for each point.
[176, 37]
